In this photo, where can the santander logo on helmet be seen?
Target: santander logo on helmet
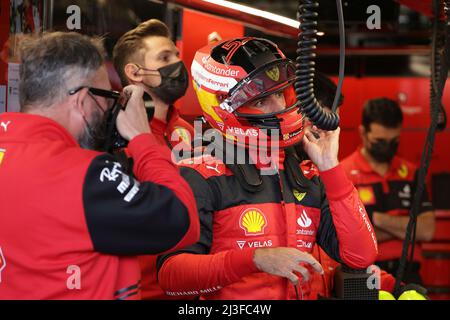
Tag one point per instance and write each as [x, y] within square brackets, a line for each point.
[232, 75]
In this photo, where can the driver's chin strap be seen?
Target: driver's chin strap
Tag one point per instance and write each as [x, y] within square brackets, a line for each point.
[294, 172]
[249, 175]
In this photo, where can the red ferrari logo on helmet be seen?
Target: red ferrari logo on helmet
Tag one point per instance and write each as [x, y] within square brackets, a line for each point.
[2, 263]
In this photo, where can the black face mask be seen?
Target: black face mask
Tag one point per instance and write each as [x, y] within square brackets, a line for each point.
[174, 82]
[101, 133]
[94, 136]
[383, 151]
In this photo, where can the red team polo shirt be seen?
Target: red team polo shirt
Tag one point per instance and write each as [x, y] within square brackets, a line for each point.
[392, 194]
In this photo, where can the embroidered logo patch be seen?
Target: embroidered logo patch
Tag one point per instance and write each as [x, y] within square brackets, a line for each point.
[253, 222]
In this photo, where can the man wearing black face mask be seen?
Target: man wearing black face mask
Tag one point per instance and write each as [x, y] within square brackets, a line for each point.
[147, 57]
[386, 185]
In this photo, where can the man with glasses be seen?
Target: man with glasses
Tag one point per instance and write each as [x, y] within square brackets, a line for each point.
[72, 220]
[386, 184]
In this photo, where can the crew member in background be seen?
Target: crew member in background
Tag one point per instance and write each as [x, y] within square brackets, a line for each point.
[386, 184]
[322, 285]
[259, 220]
[147, 57]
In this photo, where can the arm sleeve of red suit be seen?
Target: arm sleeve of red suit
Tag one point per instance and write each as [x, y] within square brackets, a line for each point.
[151, 212]
[345, 231]
[387, 281]
[193, 269]
[192, 274]
[154, 163]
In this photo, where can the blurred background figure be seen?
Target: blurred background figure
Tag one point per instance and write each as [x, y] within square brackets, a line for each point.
[386, 184]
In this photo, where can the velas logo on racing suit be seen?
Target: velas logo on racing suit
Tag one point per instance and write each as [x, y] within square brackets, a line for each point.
[403, 171]
[366, 195]
[273, 73]
[253, 222]
[299, 195]
[304, 221]
[254, 244]
[2, 263]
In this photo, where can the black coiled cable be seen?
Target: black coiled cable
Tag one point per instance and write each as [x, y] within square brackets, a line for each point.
[438, 79]
[305, 66]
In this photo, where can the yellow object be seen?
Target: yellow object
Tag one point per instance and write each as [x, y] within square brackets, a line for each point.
[299, 195]
[253, 222]
[2, 155]
[385, 295]
[403, 171]
[411, 295]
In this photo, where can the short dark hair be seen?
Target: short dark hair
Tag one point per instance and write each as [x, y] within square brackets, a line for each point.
[383, 111]
[325, 90]
[131, 45]
[51, 63]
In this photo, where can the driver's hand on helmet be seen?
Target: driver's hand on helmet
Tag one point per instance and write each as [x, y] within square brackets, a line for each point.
[322, 147]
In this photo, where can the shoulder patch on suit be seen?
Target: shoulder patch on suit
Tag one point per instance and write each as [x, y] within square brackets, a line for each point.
[309, 169]
[206, 165]
[406, 170]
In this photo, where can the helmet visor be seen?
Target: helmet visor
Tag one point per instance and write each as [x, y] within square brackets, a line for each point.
[261, 82]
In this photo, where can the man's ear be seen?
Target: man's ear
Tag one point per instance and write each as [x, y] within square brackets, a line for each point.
[362, 131]
[131, 71]
[77, 101]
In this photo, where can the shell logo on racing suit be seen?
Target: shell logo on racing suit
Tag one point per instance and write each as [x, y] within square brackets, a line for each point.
[366, 195]
[253, 222]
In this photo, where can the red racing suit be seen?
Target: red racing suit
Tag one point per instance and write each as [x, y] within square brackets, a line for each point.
[72, 222]
[237, 218]
[176, 130]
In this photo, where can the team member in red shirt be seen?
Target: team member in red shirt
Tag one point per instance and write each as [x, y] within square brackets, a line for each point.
[260, 219]
[147, 57]
[72, 221]
[386, 184]
[322, 285]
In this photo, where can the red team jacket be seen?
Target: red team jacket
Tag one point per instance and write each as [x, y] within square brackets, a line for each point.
[391, 194]
[72, 222]
[182, 132]
[236, 221]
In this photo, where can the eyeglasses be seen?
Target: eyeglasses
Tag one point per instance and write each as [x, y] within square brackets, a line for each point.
[111, 96]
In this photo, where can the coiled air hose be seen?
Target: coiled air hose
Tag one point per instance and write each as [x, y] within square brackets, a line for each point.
[305, 66]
